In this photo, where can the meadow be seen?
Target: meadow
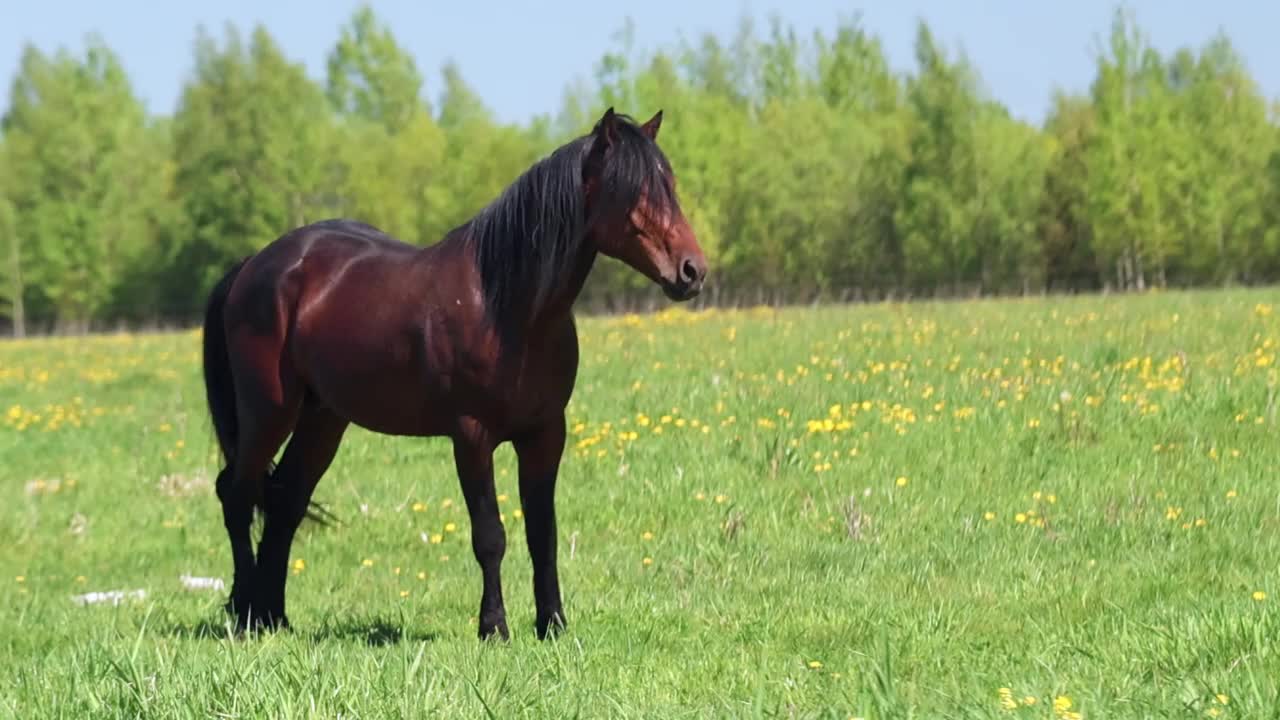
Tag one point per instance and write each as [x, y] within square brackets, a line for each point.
[1040, 508]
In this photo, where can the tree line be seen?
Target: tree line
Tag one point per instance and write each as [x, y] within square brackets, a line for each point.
[809, 168]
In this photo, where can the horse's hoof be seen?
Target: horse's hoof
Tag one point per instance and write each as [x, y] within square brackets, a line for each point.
[495, 629]
[551, 625]
[250, 621]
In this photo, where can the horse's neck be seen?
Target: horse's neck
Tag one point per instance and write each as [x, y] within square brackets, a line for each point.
[559, 302]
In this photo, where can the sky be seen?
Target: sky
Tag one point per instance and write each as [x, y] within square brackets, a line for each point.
[520, 56]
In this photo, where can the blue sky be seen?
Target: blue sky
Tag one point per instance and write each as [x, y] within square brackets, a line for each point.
[521, 55]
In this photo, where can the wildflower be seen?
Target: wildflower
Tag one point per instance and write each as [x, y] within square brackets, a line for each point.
[647, 561]
[901, 482]
[1259, 595]
[646, 535]
[988, 516]
[815, 664]
[450, 527]
[299, 565]
[367, 562]
[419, 507]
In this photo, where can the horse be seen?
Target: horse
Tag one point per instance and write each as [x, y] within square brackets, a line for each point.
[472, 339]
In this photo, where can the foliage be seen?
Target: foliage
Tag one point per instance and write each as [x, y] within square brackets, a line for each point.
[807, 166]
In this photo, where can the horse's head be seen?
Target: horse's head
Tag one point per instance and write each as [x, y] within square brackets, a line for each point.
[632, 210]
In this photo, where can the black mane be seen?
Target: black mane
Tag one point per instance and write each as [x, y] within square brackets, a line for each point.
[530, 238]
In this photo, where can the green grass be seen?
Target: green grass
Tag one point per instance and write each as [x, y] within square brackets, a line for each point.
[957, 525]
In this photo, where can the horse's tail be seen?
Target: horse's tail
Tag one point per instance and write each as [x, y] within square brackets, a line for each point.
[219, 385]
[220, 390]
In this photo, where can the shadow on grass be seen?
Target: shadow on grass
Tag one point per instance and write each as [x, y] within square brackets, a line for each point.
[372, 632]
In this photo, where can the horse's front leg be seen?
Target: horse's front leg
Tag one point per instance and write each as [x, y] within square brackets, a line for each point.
[473, 455]
[539, 457]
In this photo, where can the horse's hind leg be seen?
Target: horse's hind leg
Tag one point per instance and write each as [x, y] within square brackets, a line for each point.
[267, 403]
[315, 441]
[262, 431]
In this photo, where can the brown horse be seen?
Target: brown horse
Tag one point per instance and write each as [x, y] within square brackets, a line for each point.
[472, 338]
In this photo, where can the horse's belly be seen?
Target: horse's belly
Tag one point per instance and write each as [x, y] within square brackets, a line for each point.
[379, 390]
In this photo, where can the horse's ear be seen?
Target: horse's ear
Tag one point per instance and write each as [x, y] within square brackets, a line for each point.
[605, 135]
[651, 128]
[606, 128]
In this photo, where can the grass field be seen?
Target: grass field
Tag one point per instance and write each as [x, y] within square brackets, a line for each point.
[1027, 509]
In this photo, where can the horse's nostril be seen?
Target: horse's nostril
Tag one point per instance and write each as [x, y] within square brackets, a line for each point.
[688, 271]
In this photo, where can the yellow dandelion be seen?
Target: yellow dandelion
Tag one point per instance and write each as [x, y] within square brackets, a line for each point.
[419, 507]
[1259, 595]
[646, 535]
[450, 527]
[647, 561]
[988, 516]
[901, 482]
[367, 562]
[815, 664]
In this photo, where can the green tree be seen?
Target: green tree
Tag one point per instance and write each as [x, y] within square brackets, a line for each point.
[937, 216]
[12, 286]
[1134, 123]
[1226, 149]
[1065, 231]
[81, 178]
[252, 140]
[371, 77]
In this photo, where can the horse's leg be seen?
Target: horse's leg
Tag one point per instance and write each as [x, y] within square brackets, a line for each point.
[539, 454]
[315, 441]
[237, 516]
[267, 403]
[473, 456]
